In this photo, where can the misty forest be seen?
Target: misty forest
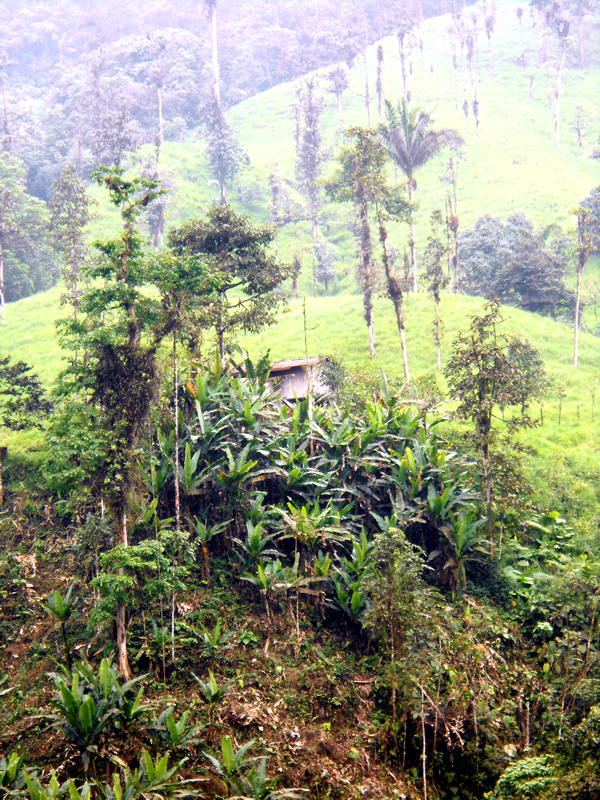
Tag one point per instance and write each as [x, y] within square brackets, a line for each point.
[299, 362]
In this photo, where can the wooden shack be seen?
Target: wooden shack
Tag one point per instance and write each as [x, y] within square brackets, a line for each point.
[292, 379]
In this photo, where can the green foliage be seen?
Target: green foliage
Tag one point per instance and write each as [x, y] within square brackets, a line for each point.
[23, 402]
[215, 641]
[176, 735]
[61, 608]
[29, 263]
[243, 277]
[247, 777]
[69, 207]
[11, 778]
[150, 778]
[226, 157]
[514, 264]
[53, 790]
[212, 693]
[526, 779]
[88, 701]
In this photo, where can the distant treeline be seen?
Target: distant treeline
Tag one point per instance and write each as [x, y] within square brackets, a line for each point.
[85, 82]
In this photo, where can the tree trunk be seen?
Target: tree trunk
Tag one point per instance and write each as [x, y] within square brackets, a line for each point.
[215, 55]
[6, 143]
[176, 435]
[366, 282]
[558, 91]
[437, 333]
[580, 25]
[582, 256]
[577, 307]
[395, 293]
[123, 660]
[340, 111]
[367, 95]
[221, 334]
[3, 451]
[488, 494]
[403, 65]
[413, 255]
[161, 137]
[2, 306]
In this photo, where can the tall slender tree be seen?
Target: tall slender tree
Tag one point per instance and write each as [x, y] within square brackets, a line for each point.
[360, 179]
[435, 277]
[226, 157]
[582, 253]
[310, 150]
[338, 83]
[211, 9]
[121, 331]
[410, 142]
[70, 213]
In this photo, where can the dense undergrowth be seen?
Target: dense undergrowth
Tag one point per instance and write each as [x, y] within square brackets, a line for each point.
[329, 595]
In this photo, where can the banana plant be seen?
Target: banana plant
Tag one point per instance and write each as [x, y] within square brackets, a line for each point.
[269, 577]
[81, 717]
[61, 608]
[256, 547]
[151, 779]
[53, 789]
[205, 533]
[310, 525]
[239, 469]
[212, 694]
[87, 701]
[176, 735]
[462, 534]
[348, 578]
[11, 776]
[215, 641]
[155, 646]
[246, 778]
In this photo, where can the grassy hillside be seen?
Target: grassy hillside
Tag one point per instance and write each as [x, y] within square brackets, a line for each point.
[510, 163]
[563, 460]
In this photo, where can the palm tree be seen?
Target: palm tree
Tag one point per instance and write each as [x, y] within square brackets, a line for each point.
[410, 143]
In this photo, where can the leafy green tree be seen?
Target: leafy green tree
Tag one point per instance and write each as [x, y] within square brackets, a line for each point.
[396, 591]
[243, 278]
[225, 155]
[325, 271]
[309, 155]
[27, 263]
[410, 143]
[436, 279]
[61, 608]
[70, 212]
[23, 403]
[483, 374]
[338, 83]
[515, 264]
[588, 231]
[360, 179]
[123, 325]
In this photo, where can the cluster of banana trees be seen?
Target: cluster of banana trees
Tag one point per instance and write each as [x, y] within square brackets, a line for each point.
[295, 495]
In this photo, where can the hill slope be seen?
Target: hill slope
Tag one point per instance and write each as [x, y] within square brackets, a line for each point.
[511, 162]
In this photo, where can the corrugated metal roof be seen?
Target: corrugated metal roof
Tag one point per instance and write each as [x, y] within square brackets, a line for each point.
[281, 366]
